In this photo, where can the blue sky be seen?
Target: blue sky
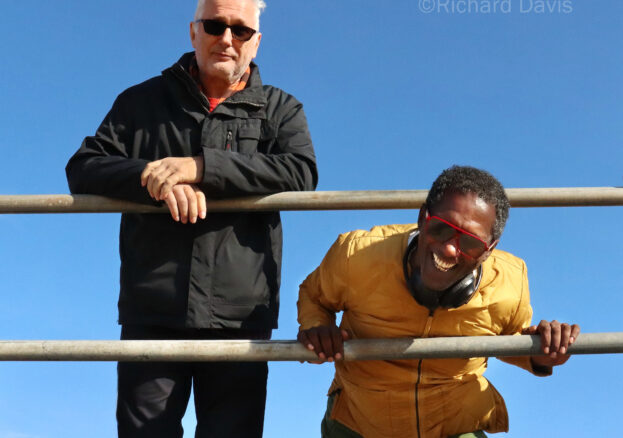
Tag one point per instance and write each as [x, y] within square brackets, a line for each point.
[394, 92]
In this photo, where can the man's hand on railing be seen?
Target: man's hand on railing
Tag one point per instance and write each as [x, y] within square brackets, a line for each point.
[326, 341]
[160, 176]
[186, 203]
[556, 338]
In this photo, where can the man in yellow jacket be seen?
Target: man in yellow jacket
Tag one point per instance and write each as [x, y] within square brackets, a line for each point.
[439, 277]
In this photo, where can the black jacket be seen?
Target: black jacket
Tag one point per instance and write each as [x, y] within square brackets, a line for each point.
[224, 271]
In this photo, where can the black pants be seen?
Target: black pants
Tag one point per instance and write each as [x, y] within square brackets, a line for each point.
[152, 396]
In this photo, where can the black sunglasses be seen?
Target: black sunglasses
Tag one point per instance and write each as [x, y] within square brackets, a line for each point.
[217, 28]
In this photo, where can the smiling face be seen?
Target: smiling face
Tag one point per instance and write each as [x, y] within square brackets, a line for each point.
[441, 264]
[222, 60]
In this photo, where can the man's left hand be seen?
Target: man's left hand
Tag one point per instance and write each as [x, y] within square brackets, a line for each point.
[161, 175]
[187, 203]
[556, 338]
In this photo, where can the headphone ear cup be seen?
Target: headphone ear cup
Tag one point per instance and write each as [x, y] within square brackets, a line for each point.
[459, 293]
[423, 295]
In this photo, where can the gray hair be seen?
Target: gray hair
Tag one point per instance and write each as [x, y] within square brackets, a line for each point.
[466, 179]
[259, 4]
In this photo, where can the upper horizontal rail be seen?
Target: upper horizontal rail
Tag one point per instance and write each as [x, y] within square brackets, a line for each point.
[245, 350]
[329, 200]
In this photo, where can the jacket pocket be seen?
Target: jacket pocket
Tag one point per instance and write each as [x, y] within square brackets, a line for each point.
[248, 139]
[474, 405]
[369, 410]
[245, 271]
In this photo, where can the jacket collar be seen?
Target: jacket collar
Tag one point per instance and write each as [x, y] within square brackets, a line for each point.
[246, 103]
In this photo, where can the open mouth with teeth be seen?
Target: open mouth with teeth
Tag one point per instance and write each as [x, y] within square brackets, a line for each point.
[442, 265]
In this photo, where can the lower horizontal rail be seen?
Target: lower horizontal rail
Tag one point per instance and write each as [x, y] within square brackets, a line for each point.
[329, 200]
[244, 350]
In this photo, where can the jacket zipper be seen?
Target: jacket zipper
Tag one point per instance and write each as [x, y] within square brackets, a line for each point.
[247, 102]
[429, 322]
[228, 142]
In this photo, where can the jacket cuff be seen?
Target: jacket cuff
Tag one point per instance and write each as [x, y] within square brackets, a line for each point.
[316, 323]
[212, 165]
[539, 370]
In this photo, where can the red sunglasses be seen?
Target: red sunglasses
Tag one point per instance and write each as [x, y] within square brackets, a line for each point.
[467, 243]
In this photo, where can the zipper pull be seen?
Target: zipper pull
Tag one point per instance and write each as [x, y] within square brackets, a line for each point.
[429, 323]
[229, 137]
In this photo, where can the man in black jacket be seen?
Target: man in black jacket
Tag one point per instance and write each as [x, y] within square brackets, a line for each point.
[206, 127]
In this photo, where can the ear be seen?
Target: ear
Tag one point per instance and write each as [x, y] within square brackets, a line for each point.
[422, 216]
[257, 44]
[493, 245]
[193, 34]
[486, 254]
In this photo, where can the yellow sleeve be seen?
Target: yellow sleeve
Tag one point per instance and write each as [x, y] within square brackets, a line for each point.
[324, 292]
[520, 320]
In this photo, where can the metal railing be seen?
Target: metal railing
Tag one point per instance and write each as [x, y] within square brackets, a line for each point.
[291, 201]
[244, 350]
[360, 349]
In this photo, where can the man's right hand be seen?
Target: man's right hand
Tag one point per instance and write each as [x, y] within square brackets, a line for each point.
[160, 176]
[326, 341]
[186, 203]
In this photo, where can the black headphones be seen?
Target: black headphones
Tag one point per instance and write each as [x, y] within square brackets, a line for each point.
[454, 296]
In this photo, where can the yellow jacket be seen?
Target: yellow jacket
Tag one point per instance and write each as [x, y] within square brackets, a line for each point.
[362, 275]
